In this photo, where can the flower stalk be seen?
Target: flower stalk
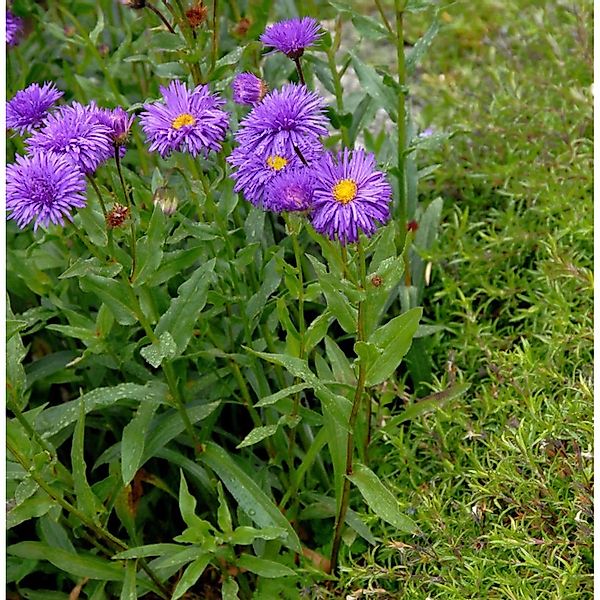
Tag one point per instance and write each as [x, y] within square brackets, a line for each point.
[401, 117]
[356, 403]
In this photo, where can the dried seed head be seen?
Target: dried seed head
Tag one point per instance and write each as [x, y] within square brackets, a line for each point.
[197, 14]
[117, 216]
[242, 27]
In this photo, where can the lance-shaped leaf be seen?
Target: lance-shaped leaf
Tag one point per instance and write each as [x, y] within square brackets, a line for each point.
[393, 341]
[380, 500]
[185, 309]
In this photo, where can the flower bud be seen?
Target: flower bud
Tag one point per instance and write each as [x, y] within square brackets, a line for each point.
[165, 200]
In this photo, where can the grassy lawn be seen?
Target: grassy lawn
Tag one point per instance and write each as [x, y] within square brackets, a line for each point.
[500, 480]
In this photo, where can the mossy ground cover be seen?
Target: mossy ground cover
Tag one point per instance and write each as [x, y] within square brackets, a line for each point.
[500, 479]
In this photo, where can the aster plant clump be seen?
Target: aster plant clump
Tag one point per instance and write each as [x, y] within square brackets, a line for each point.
[216, 285]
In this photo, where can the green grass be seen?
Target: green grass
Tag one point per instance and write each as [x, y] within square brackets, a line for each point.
[500, 479]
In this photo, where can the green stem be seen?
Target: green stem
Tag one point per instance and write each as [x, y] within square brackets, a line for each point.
[215, 36]
[401, 122]
[35, 435]
[87, 244]
[339, 93]
[360, 388]
[102, 533]
[302, 333]
[383, 17]
[111, 249]
[91, 179]
[189, 35]
[299, 69]
[235, 369]
[160, 16]
[130, 206]
[167, 367]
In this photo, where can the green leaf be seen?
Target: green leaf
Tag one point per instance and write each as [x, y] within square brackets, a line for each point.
[223, 514]
[166, 349]
[149, 247]
[251, 499]
[129, 590]
[13, 326]
[263, 567]
[339, 362]
[15, 373]
[337, 301]
[168, 426]
[36, 506]
[83, 266]
[421, 47]
[379, 499]
[393, 340]
[258, 434]
[81, 564]
[274, 398]
[98, 29]
[427, 404]
[298, 367]
[187, 507]
[317, 330]
[246, 535]
[93, 223]
[271, 277]
[165, 40]
[133, 441]
[113, 293]
[148, 550]
[373, 84]
[87, 502]
[54, 419]
[230, 589]
[180, 318]
[191, 574]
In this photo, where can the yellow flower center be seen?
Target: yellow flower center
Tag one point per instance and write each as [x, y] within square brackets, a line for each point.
[183, 120]
[277, 162]
[344, 191]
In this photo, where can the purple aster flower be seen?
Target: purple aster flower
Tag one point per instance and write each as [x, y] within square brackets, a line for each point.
[14, 28]
[186, 121]
[255, 171]
[293, 36]
[248, 89]
[75, 132]
[28, 108]
[291, 116]
[118, 121]
[290, 191]
[350, 196]
[44, 187]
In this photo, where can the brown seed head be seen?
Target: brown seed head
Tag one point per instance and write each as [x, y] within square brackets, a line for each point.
[242, 27]
[376, 280]
[196, 15]
[117, 216]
